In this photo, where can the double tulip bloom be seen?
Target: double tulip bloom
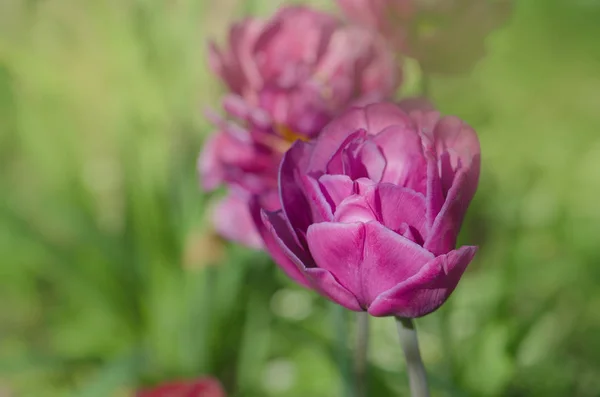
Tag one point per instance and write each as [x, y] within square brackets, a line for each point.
[445, 36]
[287, 77]
[371, 209]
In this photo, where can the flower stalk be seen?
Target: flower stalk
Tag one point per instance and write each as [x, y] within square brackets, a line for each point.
[361, 353]
[417, 376]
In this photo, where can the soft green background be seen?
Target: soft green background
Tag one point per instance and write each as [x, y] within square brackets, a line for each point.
[105, 280]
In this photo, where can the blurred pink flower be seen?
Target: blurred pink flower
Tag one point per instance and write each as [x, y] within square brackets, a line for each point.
[203, 387]
[445, 36]
[287, 77]
[372, 208]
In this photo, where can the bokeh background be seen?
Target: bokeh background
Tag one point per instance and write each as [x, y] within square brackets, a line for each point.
[110, 277]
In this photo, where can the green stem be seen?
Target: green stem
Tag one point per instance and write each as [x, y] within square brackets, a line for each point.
[361, 353]
[417, 376]
[341, 337]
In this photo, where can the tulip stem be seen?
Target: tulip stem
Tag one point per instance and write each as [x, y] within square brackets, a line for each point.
[360, 354]
[341, 337]
[417, 376]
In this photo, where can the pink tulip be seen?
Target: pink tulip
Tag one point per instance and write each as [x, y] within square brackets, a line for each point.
[372, 208]
[287, 77]
[203, 387]
[445, 36]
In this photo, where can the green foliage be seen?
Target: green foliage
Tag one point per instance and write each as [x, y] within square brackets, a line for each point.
[100, 124]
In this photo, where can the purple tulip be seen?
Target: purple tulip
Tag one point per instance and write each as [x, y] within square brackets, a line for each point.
[372, 208]
[445, 36]
[287, 77]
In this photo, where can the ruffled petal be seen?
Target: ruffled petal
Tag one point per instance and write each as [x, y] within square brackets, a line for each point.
[338, 248]
[389, 259]
[280, 243]
[427, 290]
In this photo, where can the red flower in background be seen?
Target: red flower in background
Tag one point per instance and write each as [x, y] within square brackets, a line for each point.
[203, 387]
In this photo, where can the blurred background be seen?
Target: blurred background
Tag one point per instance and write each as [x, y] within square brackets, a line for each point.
[110, 277]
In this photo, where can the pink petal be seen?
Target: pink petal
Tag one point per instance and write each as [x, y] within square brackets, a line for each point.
[233, 221]
[280, 243]
[427, 290]
[337, 163]
[321, 210]
[373, 159]
[396, 205]
[293, 201]
[354, 208]
[402, 149]
[372, 118]
[379, 116]
[338, 248]
[460, 141]
[389, 259]
[323, 281]
[336, 188]
[445, 228]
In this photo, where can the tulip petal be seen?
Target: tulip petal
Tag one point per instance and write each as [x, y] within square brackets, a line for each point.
[233, 221]
[275, 234]
[338, 248]
[336, 188]
[427, 290]
[325, 283]
[396, 205]
[354, 208]
[208, 164]
[372, 118]
[379, 116]
[293, 201]
[337, 163]
[444, 231]
[373, 159]
[459, 140]
[335, 133]
[389, 259]
[402, 149]
[321, 210]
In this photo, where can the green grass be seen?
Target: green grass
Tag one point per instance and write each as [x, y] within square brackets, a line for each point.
[103, 286]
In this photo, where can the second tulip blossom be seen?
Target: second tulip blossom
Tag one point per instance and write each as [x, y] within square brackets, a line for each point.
[287, 77]
[372, 208]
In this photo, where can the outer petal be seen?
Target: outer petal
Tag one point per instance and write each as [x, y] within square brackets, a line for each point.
[389, 259]
[242, 39]
[323, 281]
[460, 141]
[445, 228]
[292, 42]
[321, 210]
[293, 200]
[427, 290]
[338, 248]
[275, 235]
[209, 167]
[233, 221]
[382, 115]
